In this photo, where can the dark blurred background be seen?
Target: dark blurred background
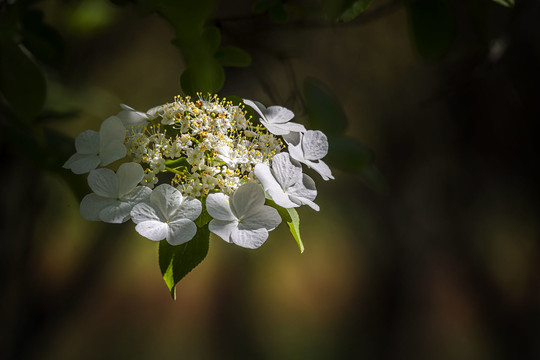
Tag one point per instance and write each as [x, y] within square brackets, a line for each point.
[437, 258]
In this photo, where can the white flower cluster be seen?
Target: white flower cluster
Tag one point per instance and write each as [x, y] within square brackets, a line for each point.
[187, 156]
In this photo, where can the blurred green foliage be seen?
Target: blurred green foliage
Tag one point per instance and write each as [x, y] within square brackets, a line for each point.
[432, 27]
[90, 16]
[22, 81]
[345, 10]
[507, 3]
[275, 9]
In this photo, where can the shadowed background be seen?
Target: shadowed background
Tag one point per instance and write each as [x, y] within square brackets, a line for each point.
[439, 261]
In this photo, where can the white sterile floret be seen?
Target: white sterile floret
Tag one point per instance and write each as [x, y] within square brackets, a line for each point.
[276, 118]
[286, 184]
[114, 194]
[98, 148]
[232, 157]
[167, 215]
[242, 218]
[131, 117]
[309, 148]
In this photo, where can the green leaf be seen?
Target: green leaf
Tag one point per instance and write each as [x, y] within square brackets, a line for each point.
[507, 3]
[212, 38]
[176, 262]
[233, 56]
[323, 108]
[206, 76]
[290, 216]
[88, 17]
[21, 81]
[204, 218]
[294, 227]
[196, 43]
[277, 13]
[186, 17]
[353, 11]
[348, 154]
[345, 10]
[432, 27]
[42, 40]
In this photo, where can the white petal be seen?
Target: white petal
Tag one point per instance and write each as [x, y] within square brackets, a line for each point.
[190, 209]
[116, 213]
[167, 199]
[111, 130]
[154, 112]
[218, 207]
[129, 175]
[290, 127]
[321, 168]
[181, 231]
[87, 142]
[315, 145]
[230, 163]
[104, 182]
[145, 212]
[282, 199]
[274, 128]
[72, 159]
[293, 138]
[92, 204]
[309, 183]
[111, 152]
[138, 195]
[304, 193]
[304, 189]
[257, 106]
[267, 218]
[286, 173]
[131, 117]
[224, 151]
[304, 201]
[246, 200]
[272, 187]
[153, 230]
[81, 164]
[278, 114]
[265, 176]
[223, 229]
[127, 107]
[296, 152]
[251, 239]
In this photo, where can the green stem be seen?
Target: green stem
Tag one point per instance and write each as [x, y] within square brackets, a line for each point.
[173, 170]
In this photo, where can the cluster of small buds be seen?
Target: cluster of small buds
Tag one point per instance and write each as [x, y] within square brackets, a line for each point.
[193, 154]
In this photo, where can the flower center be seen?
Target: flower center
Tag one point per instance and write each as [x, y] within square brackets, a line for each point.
[205, 145]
